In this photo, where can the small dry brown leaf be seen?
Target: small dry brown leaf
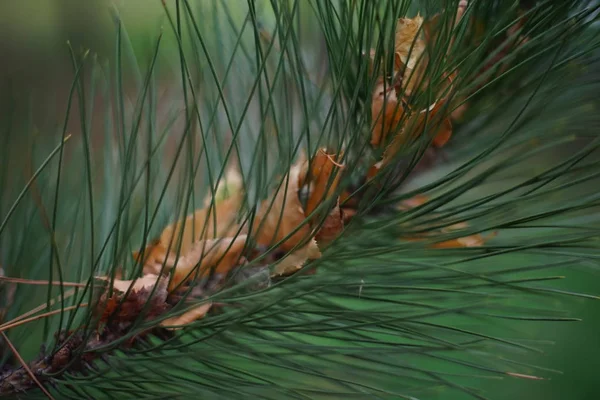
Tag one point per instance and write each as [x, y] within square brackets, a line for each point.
[177, 322]
[414, 127]
[410, 57]
[204, 224]
[407, 30]
[444, 133]
[386, 113]
[296, 260]
[331, 227]
[218, 254]
[323, 166]
[148, 281]
[278, 217]
[413, 202]
[476, 240]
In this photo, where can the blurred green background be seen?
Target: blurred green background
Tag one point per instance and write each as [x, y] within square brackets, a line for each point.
[36, 71]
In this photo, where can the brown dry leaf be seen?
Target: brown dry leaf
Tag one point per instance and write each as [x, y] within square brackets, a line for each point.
[331, 227]
[175, 323]
[204, 224]
[386, 113]
[407, 30]
[476, 240]
[410, 57]
[322, 186]
[415, 125]
[147, 281]
[413, 202]
[295, 260]
[278, 217]
[220, 254]
[444, 133]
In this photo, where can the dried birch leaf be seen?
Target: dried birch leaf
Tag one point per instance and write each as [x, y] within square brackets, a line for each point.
[413, 202]
[148, 281]
[296, 260]
[218, 255]
[386, 113]
[476, 240]
[331, 227]
[206, 223]
[410, 57]
[415, 126]
[323, 186]
[278, 217]
[177, 322]
[408, 46]
[444, 133]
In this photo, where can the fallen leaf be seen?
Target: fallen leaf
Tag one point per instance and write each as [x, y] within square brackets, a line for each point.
[386, 113]
[295, 261]
[148, 281]
[204, 224]
[324, 179]
[177, 322]
[281, 217]
[444, 133]
[330, 228]
[413, 202]
[408, 45]
[212, 255]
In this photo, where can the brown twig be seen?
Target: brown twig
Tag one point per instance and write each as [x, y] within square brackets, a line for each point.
[38, 308]
[41, 282]
[25, 366]
[10, 325]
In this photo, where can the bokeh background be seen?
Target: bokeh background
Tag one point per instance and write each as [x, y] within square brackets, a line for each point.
[36, 74]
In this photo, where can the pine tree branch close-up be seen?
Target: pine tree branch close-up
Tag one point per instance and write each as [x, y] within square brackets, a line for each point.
[299, 199]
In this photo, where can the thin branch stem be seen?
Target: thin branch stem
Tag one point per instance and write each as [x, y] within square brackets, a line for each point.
[25, 366]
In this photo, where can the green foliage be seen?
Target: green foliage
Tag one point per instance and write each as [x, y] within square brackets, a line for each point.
[149, 135]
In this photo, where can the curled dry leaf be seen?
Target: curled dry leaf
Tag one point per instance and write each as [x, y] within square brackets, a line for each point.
[296, 259]
[212, 255]
[386, 113]
[331, 227]
[206, 223]
[214, 221]
[146, 282]
[413, 202]
[196, 313]
[390, 107]
[324, 179]
[410, 58]
[475, 240]
[408, 46]
[281, 218]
